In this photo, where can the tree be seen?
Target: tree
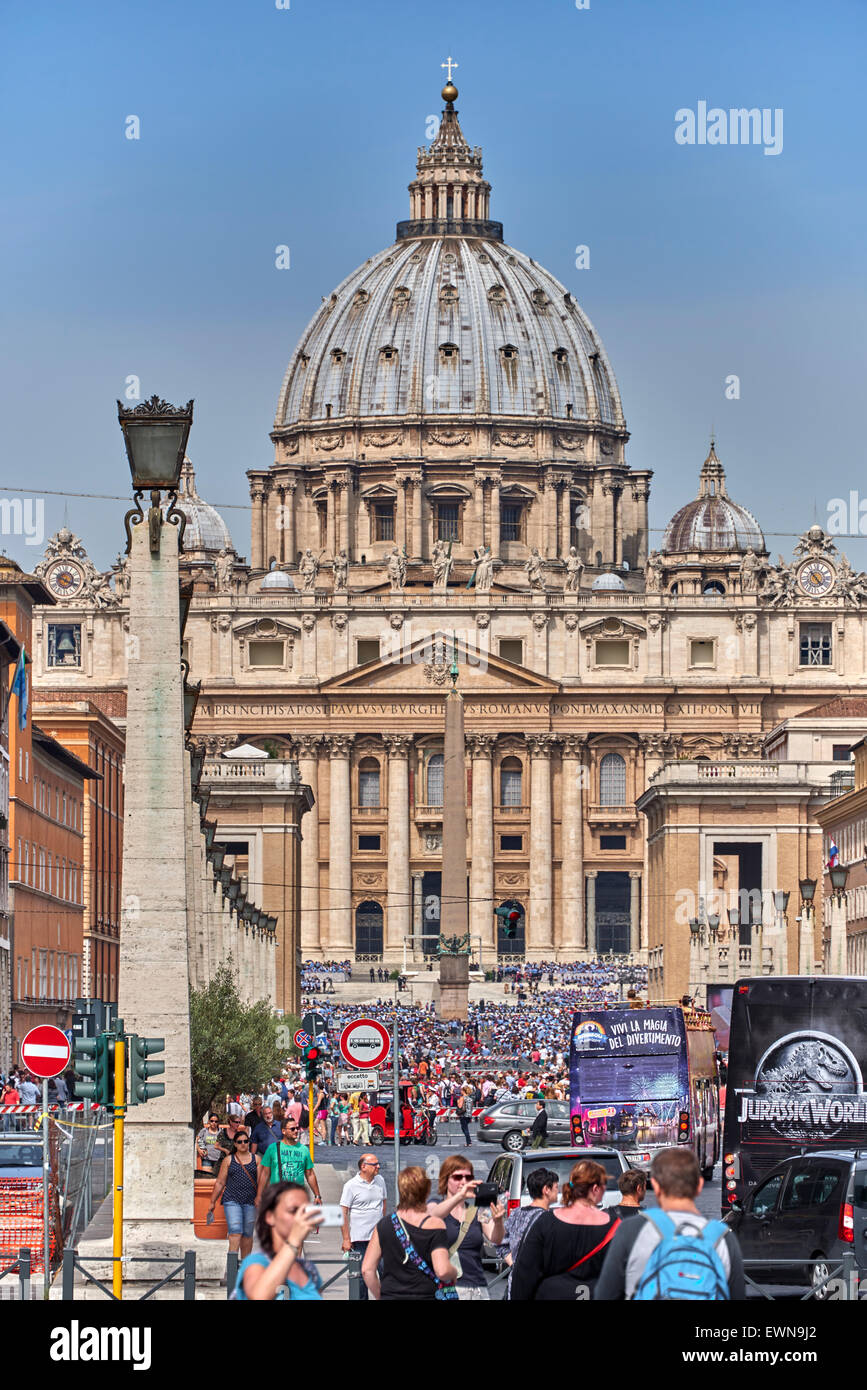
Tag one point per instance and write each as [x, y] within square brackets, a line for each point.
[233, 1046]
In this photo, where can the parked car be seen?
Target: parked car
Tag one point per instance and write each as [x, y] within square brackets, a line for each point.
[510, 1172]
[810, 1207]
[20, 1156]
[506, 1121]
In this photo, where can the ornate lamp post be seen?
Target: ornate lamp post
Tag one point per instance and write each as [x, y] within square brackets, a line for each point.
[837, 949]
[781, 937]
[153, 987]
[806, 936]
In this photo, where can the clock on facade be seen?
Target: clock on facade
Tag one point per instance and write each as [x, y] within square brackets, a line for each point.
[816, 578]
[65, 579]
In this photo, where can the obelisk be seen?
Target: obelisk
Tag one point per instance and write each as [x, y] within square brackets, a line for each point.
[454, 912]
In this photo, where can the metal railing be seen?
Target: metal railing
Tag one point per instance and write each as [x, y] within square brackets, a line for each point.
[186, 1267]
[22, 1267]
[844, 1269]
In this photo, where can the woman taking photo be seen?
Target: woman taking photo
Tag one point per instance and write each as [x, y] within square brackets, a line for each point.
[237, 1184]
[467, 1227]
[277, 1270]
[412, 1245]
[562, 1254]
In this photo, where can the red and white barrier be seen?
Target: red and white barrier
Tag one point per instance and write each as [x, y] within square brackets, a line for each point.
[37, 1109]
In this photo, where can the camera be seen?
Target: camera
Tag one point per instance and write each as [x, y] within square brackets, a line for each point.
[486, 1194]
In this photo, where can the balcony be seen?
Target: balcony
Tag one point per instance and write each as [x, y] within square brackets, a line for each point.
[841, 783]
[521, 812]
[427, 815]
[612, 815]
[370, 812]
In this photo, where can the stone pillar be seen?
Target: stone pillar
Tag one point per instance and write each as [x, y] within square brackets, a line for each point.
[340, 939]
[565, 519]
[591, 912]
[257, 542]
[331, 527]
[417, 503]
[154, 977]
[837, 953]
[481, 747]
[806, 941]
[640, 495]
[617, 522]
[548, 547]
[571, 935]
[540, 937]
[398, 882]
[417, 907]
[290, 549]
[634, 912]
[494, 539]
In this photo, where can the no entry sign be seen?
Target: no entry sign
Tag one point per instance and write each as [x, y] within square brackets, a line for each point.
[365, 1043]
[45, 1051]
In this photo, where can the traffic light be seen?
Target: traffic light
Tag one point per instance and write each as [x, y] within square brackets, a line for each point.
[509, 918]
[93, 1064]
[141, 1088]
[312, 1058]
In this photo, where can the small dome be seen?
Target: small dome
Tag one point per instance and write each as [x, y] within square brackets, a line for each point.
[712, 521]
[277, 579]
[205, 529]
[609, 582]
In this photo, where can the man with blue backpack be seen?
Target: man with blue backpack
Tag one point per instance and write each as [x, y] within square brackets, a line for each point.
[673, 1252]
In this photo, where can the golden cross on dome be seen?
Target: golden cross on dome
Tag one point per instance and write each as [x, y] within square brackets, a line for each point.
[449, 63]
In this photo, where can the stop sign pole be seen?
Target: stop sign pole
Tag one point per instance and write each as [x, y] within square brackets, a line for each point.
[45, 1052]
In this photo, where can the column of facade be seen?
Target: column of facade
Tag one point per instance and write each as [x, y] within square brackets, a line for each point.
[417, 907]
[634, 912]
[571, 936]
[401, 526]
[494, 538]
[257, 542]
[290, 548]
[617, 522]
[331, 530]
[480, 748]
[307, 752]
[340, 936]
[548, 545]
[640, 495]
[398, 883]
[417, 503]
[591, 911]
[565, 518]
[540, 938]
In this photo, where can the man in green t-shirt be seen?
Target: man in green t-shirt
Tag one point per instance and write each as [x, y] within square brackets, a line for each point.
[288, 1161]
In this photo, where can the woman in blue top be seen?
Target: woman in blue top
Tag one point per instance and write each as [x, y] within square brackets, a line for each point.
[278, 1270]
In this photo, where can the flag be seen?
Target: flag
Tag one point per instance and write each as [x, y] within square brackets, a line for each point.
[19, 688]
[833, 855]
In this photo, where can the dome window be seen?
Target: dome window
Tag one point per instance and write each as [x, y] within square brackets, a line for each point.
[540, 299]
[496, 295]
[509, 352]
[303, 361]
[449, 294]
[361, 297]
[448, 352]
[713, 589]
[388, 353]
[338, 356]
[401, 295]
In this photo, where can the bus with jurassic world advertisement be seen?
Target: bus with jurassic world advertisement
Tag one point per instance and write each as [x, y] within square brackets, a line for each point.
[797, 1057]
[644, 1079]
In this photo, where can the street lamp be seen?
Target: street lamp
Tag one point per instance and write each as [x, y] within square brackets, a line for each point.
[807, 888]
[155, 434]
[838, 876]
[694, 927]
[781, 900]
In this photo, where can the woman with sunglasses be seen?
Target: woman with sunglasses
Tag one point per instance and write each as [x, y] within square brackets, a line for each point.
[466, 1230]
[237, 1184]
[278, 1270]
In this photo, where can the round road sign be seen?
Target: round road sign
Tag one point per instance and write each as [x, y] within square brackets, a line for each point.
[365, 1043]
[301, 1039]
[45, 1051]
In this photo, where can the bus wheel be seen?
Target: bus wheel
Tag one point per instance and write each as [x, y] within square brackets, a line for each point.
[376, 1135]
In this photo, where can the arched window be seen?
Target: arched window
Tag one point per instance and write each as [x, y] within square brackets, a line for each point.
[435, 780]
[511, 782]
[713, 589]
[368, 782]
[368, 929]
[612, 780]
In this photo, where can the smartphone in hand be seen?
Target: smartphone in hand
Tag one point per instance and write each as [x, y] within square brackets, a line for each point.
[330, 1214]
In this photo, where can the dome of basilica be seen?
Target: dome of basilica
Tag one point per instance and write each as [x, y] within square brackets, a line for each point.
[449, 320]
[712, 521]
[205, 531]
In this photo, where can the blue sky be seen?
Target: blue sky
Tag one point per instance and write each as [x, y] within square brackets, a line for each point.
[260, 126]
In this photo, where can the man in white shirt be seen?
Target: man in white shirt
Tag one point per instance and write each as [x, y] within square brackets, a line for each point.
[363, 1202]
[28, 1090]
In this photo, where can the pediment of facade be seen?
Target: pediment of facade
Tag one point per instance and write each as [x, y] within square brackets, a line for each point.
[265, 627]
[423, 664]
[611, 627]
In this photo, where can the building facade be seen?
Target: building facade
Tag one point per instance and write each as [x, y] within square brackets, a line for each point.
[450, 474]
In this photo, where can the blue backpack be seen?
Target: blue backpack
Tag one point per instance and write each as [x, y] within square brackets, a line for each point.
[684, 1266]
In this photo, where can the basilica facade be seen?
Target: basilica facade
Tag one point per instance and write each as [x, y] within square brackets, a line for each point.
[450, 478]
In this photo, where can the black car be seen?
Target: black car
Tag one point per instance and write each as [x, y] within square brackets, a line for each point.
[811, 1207]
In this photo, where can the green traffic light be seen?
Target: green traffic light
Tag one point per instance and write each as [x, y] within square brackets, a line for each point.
[93, 1065]
[141, 1088]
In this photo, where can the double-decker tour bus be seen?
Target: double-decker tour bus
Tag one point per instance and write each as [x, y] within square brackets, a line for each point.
[797, 1054]
[645, 1079]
